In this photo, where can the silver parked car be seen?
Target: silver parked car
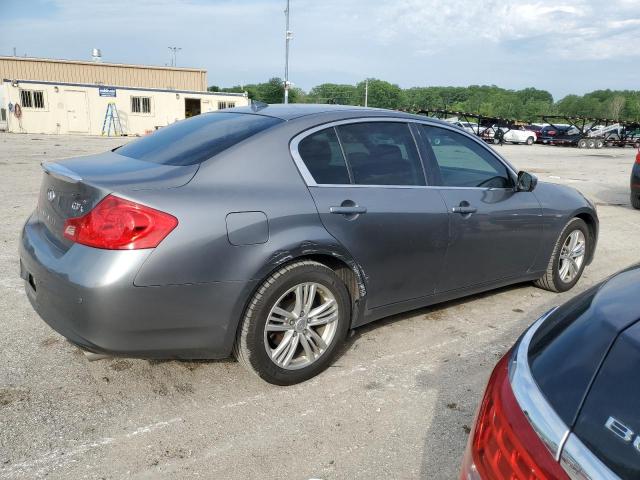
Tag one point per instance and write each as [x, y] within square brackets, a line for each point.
[271, 232]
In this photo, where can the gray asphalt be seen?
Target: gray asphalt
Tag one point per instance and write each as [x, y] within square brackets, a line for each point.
[398, 402]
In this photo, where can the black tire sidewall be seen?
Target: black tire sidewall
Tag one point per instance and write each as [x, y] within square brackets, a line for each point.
[259, 357]
[575, 224]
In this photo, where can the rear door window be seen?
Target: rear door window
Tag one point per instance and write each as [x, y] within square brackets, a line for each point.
[322, 155]
[463, 162]
[381, 153]
[196, 139]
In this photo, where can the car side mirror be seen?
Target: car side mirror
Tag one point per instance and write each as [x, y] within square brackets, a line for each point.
[526, 182]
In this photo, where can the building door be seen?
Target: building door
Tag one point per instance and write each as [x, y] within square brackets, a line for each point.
[191, 107]
[77, 111]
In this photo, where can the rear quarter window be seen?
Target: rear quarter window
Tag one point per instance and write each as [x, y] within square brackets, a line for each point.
[197, 139]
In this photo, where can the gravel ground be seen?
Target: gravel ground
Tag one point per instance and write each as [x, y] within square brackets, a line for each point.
[396, 404]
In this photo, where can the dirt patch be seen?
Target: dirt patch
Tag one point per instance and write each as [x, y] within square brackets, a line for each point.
[120, 365]
[48, 342]
[9, 396]
[184, 388]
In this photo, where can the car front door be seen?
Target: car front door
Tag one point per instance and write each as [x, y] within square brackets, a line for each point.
[368, 183]
[495, 230]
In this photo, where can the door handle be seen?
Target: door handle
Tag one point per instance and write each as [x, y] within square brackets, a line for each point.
[349, 210]
[464, 210]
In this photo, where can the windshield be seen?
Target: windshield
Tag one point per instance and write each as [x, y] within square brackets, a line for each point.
[197, 139]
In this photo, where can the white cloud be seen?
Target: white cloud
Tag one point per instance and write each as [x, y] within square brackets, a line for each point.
[512, 43]
[579, 30]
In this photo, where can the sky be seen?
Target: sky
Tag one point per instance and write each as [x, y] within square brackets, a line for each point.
[561, 46]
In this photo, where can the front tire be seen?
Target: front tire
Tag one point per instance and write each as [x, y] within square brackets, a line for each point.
[530, 141]
[568, 258]
[294, 324]
[635, 200]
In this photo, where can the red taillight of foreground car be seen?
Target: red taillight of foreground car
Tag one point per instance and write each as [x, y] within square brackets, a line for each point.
[502, 444]
[119, 224]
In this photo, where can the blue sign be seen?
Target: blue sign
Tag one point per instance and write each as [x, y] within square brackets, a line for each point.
[107, 91]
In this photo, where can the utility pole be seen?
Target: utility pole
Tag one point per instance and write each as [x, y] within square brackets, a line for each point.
[287, 36]
[14, 52]
[173, 51]
[366, 92]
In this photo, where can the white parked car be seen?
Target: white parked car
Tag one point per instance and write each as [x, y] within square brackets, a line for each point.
[468, 127]
[514, 135]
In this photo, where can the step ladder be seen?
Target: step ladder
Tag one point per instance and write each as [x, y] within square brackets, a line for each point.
[111, 119]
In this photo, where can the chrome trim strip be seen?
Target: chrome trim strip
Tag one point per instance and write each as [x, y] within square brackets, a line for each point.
[542, 417]
[309, 180]
[60, 172]
[581, 464]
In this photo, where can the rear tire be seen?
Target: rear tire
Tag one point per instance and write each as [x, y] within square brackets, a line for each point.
[276, 318]
[591, 144]
[635, 201]
[582, 143]
[530, 141]
[553, 279]
[599, 144]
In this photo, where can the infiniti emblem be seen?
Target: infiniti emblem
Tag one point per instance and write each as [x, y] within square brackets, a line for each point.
[51, 195]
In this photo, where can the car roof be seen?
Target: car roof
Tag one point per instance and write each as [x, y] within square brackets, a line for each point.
[296, 110]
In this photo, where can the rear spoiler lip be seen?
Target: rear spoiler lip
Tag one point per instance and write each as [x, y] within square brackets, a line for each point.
[60, 172]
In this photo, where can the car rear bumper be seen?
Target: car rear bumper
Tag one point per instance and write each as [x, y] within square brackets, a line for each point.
[88, 296]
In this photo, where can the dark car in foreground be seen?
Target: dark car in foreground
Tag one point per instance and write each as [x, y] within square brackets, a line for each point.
[563, 403]
[635, 182]
[272, 231]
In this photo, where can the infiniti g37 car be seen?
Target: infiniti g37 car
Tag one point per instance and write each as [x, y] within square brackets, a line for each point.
[270, 232]
[563, 403]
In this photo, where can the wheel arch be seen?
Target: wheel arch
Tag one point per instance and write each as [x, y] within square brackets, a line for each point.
[592, 225]
[347, 269]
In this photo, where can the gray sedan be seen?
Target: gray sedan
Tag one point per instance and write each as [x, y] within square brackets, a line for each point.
[271, 231]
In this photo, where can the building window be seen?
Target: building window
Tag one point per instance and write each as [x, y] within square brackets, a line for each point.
[32, 98]
[3, 114]
[141, 104]
[222, 105]
[231, 104]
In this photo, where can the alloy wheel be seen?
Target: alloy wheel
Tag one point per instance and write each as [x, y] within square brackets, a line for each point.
[301, 325]
[572, 256]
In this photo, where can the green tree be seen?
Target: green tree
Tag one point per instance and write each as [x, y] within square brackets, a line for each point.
[334, 93]
[381, 94]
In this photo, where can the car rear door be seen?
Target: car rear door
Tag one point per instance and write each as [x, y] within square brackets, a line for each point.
[367, 180]
[495, 230]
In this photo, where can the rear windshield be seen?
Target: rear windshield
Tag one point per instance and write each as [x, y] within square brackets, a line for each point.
[197, 139]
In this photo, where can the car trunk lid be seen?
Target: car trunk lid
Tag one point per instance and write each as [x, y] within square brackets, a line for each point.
[71, 188]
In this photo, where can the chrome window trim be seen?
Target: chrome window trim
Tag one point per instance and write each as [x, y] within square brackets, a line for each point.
[542, 417]
[309, 180]
[581, 464]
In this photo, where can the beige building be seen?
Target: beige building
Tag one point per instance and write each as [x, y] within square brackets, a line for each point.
[94, 98]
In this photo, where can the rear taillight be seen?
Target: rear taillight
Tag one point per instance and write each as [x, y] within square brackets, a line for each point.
[638, 157]
[502, 444]
[119, 224]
